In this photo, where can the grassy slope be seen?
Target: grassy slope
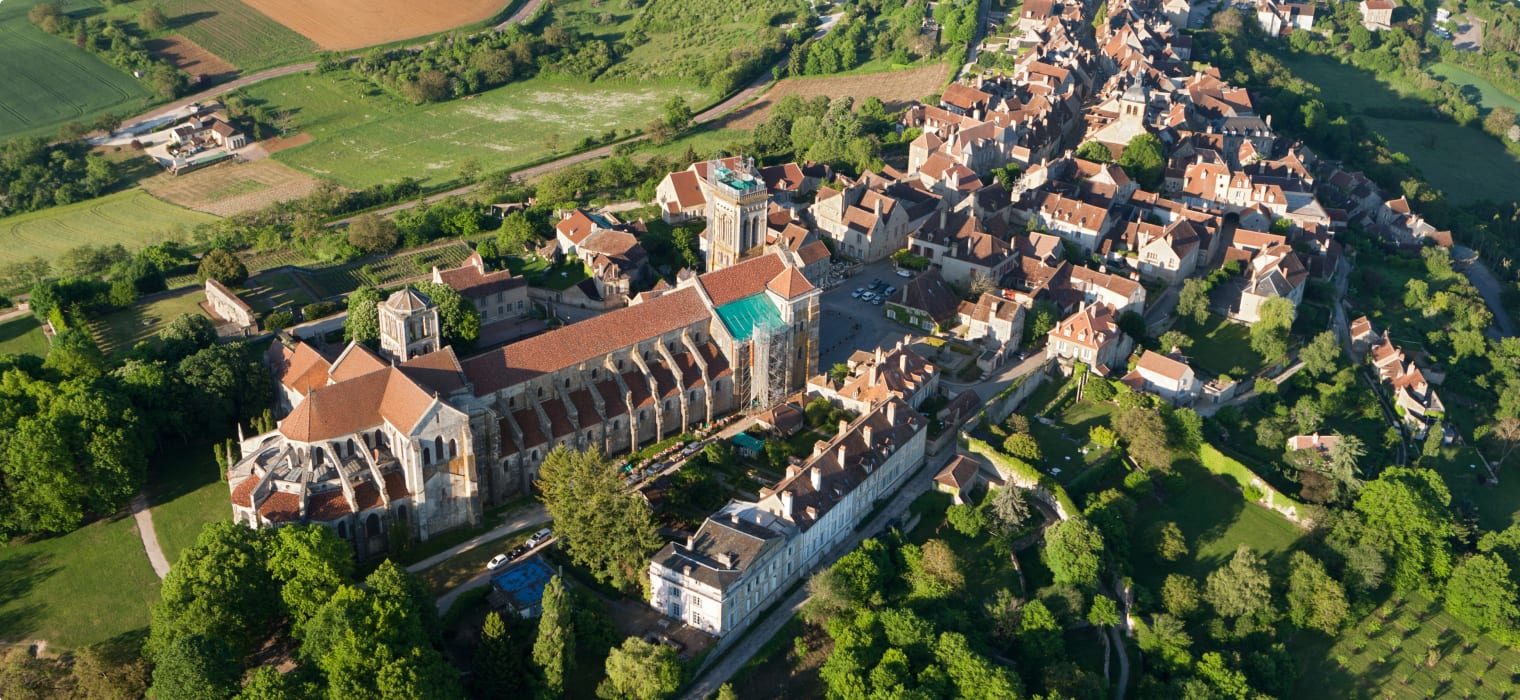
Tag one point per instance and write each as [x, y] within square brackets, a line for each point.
[132, 218]
[23, 335]
[1492, 95]
[119, 331]
[185, 494]
[1483, 170]
[84, 587]
[49, 81]
[364, 136]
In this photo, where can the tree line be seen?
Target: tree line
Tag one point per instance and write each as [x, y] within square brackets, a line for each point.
[37, 175]
[121, 43]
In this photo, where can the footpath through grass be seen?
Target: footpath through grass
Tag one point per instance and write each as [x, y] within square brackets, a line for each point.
[185, 493]
[132, 218]
[364, 136]
[48, 81]
[77, 589]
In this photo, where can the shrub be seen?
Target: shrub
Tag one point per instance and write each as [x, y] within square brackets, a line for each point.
[966, 519]
[1252, 493]
[319, 309]
[277, 320]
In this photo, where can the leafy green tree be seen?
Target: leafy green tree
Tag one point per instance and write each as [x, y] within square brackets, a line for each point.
[1145, 436]
[1167, 641]
[363, 322]
[1179, 594]
[599, 523]
[309, 563]
[1023, 446]
[1039, 636]
[677, 113]
[75, 354]
[1095, 152]
[1169, 542]
[1269, 335]
[1481, 593]
[219, 588]
[1042, 318]
[966, 519]
[221, 265]
[1074, 552]
[187, 334]
[726, 692]
[554, 651]
[1193, 300]
[1321, 355]
[196, 667]
[1315, 601]
[1103, 615]
[1224, 681]
[458, 319]
[372, 233]
[267, 683]
[516, 235]
[225, 384]
[933, 570]
[639, 670]
[1240, 588]
[1144, 161]
[1407, 520]
[839, 372]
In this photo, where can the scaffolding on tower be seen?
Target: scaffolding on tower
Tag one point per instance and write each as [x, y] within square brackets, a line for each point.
[771, 366]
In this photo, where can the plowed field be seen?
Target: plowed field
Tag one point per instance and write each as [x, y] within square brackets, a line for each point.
[343, 24]
[232, 188]
[191, 58]
[896, 89]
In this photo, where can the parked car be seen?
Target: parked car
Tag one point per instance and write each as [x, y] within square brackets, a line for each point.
[540, 537]
[876, 301]
[905, 274]
[889, 291]
[859, 291]
[497, 562]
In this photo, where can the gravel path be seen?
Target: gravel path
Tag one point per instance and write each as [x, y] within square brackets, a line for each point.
[144, 519]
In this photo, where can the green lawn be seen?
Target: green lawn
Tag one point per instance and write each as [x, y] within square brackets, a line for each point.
[1498, 506]
[49, 81]
[119, 331]
[274, 290]
[1485, 169]
[364, 136]
[77, 589]
[132, 218]
[1221, 347]
[1492, 95]
[1215, 520]
[22, 336]
[238, 33]
[185, 493]
[1405, 649]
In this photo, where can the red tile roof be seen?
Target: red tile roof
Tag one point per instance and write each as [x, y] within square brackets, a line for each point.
[243, 494]
[363, 402]
[281, 507]
[366, 496]
[327, 506]
[438, 371]
[532, 431]
[789, 283]
[395, 485]
[356, 361]
[587, 340]
[746, 278]
[300, 368]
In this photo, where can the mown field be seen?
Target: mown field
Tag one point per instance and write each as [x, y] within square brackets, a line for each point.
[1466, 163]
[237, 33]
[119, 331]
[46, 82]
[362, 136]
[232, 188]
[22, 336]
[132, 218]
[184, 493]
[84, 587]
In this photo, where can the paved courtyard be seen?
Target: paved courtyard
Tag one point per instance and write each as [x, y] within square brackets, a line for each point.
[850, 324]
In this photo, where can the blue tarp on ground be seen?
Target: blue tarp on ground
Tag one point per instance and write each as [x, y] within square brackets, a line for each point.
[524, 583]
[745, 441]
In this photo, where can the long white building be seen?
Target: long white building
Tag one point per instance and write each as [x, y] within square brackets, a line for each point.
[747, 553]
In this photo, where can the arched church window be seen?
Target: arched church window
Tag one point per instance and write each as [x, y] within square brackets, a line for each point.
[453, 449]
[438, 446]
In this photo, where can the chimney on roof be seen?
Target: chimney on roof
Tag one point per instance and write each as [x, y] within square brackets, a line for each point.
[792, 470]
[786, 504]
[815, 474]
[943, 218]
[844, 427]
[878, 205]
[691, 541]
[865, 432]
[874, 375]
[892, 413]
[726, 559]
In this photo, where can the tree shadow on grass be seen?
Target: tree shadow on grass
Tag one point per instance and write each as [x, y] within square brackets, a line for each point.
[189, 18]
[180, 470]
[19, 574]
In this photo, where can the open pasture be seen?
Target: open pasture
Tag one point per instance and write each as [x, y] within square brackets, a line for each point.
[239, 34]
[362, 136]
[896, 89]
[339, 25]
[232, 188]
[48, 81]
[132, 218]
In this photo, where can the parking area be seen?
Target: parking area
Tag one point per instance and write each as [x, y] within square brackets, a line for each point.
[850, 323]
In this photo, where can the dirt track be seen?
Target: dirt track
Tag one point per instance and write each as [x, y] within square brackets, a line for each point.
[896, 89]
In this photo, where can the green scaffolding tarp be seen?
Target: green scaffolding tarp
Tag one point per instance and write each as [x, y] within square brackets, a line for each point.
[741, 317]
